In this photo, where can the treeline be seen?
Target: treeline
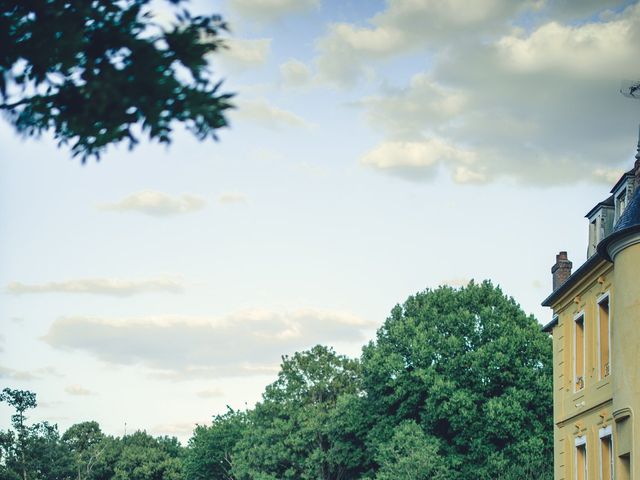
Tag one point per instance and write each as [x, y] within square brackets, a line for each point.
[457, 385]
[83, 452]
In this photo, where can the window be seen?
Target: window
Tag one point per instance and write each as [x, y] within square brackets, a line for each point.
[604, 336]
[579, 352]
[625, 467]
[581, 458]
[624, 446]
[606, 454]
[593, 236]
[621, 203]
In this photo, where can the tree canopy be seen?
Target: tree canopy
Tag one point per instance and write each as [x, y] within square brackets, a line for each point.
[98, 72]
[83, 452]
[289, 433]
[474, 372]
[457, 384]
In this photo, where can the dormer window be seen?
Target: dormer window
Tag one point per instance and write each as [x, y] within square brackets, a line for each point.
[621, 203]
[594, 236]
[600, 224]
[622, 192]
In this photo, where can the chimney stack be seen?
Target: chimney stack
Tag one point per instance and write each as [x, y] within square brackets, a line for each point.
[561, 270]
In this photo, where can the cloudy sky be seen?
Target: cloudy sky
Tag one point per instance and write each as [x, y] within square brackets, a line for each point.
[378, 148]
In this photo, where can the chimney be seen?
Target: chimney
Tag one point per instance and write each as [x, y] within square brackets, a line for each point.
[561, 270]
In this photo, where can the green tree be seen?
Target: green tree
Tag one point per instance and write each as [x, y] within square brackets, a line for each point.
[104, 464]
[21, 401]
[99, 72]
[143, 457]
[209, 454]
[474, 372]
[46, 456]
[288, 434]
[87, 443]
[411, 455]
[15, 443]
[32, 452]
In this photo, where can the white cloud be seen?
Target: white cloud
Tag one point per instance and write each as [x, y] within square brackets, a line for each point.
[540, 106]
[245, 343]
[245, 53]
[608, 176]
[241, 369]
[268, 10]
[419, 160]
[463, 174]
[156, 204]
[12, 374]
[47, 372]
[24, 375]
[405, 111]
[51, 404]
[100, 286]
[232, 198]
[295, 73]
[77, 390]
[588, 49]
[211, 393]
[406, 26]
[583, 9]
[263, 113]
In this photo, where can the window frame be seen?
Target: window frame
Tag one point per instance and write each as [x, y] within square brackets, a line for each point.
[577, 317]
[581, 442]
[620, 201]
[605, 296]
[602, 434]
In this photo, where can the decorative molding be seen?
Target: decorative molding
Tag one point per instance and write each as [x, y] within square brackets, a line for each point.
[620, 244]
[575, 417]
[604, 432]
[621, 414]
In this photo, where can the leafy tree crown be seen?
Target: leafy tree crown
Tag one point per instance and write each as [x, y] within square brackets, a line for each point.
[98, 72]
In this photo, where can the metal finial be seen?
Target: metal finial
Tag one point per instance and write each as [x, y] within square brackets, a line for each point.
[636, 165]
[630, 89]
[638, 151]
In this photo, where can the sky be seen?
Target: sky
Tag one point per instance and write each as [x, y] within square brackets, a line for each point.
[378, 148]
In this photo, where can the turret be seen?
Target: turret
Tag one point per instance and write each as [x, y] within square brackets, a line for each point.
[622, 247]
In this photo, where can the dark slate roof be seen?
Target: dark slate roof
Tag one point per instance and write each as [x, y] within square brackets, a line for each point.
[631, 215]
[609, 202]
[628, 223]
[548, 328]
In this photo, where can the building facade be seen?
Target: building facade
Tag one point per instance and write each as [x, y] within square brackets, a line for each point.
[596, 344]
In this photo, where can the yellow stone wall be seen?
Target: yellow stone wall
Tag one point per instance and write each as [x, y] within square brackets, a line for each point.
[586, 411]
[610, 401]
[626, 353]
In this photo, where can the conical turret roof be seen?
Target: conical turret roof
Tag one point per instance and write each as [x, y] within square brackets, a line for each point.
[627, 224]
[631, 216]
[629, 221]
